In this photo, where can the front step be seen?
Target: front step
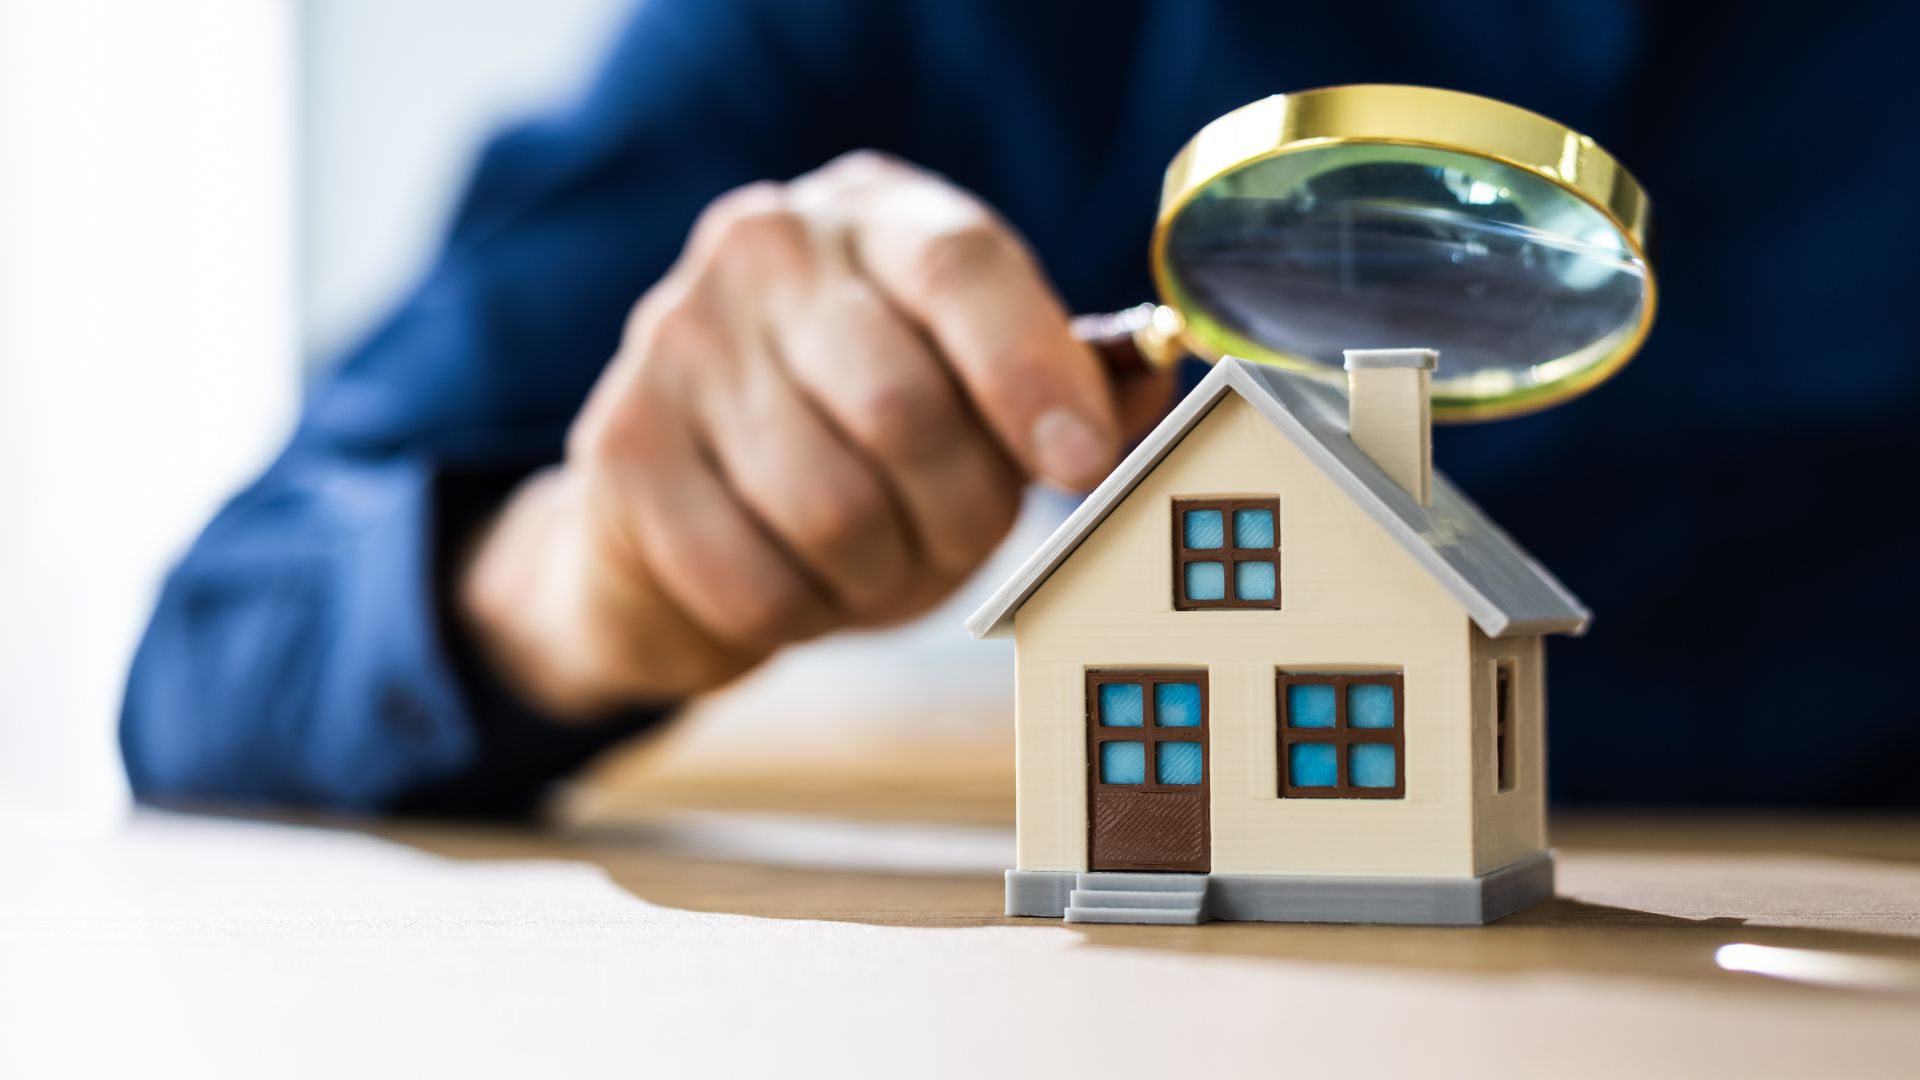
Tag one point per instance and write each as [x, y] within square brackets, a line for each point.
[1164, 899]
[1123, 898]
[1135, 916]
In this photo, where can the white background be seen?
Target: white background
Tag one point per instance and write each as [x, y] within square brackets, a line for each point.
[156, 288]
[147, 344]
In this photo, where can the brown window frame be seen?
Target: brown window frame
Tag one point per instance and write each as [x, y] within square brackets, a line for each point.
[1226, 553]
[1343, 736]
[1503, 727]
[1147, 732]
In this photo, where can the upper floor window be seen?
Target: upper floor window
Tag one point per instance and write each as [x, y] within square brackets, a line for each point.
[1226, 553]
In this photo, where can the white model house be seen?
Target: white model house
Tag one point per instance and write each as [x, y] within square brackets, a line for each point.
[1276, 668]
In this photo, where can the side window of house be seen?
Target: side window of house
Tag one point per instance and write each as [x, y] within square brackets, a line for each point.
[1504, 737]
[1341, 736]
[1226, 553]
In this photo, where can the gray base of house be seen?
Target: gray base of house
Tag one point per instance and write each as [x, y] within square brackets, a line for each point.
[1285, 898]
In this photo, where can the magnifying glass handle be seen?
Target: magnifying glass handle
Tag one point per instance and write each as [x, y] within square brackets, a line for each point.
[1137, 341]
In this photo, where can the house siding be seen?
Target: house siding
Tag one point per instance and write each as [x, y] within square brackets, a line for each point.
[1352, 599]
[1509, 824]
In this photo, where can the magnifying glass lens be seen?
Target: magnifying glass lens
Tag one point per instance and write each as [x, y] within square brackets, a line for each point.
[1518, 282]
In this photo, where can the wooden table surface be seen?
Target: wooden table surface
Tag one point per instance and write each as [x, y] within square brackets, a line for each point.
[743, 922]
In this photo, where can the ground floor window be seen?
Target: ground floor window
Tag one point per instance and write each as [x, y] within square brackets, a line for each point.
[1341, 735]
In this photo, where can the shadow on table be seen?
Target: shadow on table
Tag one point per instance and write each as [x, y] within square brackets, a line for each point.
[655, 863]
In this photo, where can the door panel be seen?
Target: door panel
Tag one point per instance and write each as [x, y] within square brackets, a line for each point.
[1147, 770]
[1149, 830]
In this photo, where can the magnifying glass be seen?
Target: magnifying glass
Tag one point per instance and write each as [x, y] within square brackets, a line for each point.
[1374, 216]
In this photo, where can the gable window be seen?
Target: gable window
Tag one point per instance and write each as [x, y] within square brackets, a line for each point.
[1226, 553]
[1341, 736]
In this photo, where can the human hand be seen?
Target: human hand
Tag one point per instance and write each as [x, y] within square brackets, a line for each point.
[821, 417]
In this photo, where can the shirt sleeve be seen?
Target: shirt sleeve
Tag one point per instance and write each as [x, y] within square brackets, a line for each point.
[301, 652]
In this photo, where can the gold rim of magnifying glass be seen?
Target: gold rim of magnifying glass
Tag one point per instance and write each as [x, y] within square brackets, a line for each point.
[1417, 116]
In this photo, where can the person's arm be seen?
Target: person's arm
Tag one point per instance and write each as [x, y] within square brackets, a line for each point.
[305, 650]
[820, 416]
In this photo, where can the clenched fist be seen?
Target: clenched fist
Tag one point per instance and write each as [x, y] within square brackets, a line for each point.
[822, 416]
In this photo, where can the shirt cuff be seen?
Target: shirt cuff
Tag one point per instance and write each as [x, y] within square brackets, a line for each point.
[504, 753]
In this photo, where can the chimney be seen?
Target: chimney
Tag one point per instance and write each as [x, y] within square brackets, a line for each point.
[1389, 416]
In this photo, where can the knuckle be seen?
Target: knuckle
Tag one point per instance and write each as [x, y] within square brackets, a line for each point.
[958, 255]
[666, 340]
[772, 613]
[756, 224]
[675, 344]
[607, 438]
[682, 333]
[775, 233]
[587, 439]
[837, 519]
[900, 419]
[740, 202]
[677, 327]
[1006, 382]
[960, 549]
[864, 163]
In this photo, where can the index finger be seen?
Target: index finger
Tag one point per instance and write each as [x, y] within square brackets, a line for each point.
[954, 267]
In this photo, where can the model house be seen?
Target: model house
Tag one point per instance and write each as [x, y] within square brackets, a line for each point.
[1277, 668]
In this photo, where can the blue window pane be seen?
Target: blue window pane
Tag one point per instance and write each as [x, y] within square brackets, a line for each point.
[1205, 529]
[1123, 763]
[1253, 528]
[1253, 580]
[1122, 705]
[1370, 706]
[1179, 762]
[1206, 581]
[1370, 765]
[1310, 705]
[1310, 764]
[1176, 704]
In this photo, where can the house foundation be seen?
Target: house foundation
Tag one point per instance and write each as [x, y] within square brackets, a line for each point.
[1298, 898]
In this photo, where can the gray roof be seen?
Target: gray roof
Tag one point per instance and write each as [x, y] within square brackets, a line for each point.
[1501, 588]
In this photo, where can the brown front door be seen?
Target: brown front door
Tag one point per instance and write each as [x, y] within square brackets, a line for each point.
[1147, 770]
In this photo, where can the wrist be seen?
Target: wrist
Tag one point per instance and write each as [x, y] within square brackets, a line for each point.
[578, 631]
[504, 599]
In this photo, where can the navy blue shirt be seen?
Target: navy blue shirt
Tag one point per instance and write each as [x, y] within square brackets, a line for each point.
[1718, 503]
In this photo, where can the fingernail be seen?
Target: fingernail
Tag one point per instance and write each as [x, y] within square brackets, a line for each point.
[1071, 450]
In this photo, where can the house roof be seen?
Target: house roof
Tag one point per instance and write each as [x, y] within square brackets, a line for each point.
[1502, 589]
